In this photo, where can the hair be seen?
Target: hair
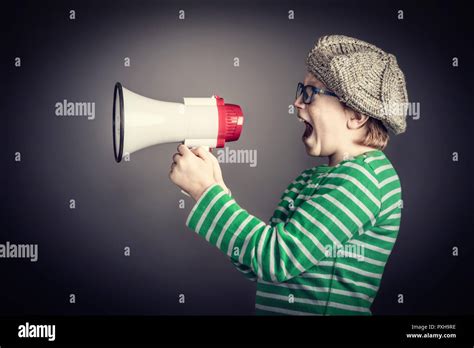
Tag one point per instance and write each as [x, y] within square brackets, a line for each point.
[377, 134]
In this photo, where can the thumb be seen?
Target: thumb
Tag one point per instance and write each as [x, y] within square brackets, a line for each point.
[201, 152]
[217, 168]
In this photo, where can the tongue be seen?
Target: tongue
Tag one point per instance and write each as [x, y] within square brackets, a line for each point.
[308, 130]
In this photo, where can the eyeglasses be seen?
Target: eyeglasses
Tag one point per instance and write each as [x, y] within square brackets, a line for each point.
[308, 92]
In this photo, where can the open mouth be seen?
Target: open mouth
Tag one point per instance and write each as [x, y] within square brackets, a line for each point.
[308, 130]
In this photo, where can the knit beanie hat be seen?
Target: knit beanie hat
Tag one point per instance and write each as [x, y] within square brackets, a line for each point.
[363, 76]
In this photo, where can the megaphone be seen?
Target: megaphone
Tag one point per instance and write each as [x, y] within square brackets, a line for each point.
[139, 122]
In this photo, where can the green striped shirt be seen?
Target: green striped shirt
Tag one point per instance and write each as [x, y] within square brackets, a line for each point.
[324, 250]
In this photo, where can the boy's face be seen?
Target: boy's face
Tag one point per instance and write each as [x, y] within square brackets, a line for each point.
[325, 121]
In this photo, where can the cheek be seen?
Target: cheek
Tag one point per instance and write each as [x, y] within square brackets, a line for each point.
[322, 120]
[329, 123]
[332, 116]
[330, 126]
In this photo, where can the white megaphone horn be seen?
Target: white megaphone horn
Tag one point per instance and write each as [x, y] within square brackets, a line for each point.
[139, 122]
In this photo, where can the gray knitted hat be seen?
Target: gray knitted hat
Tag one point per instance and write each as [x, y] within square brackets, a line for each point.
[363, 76]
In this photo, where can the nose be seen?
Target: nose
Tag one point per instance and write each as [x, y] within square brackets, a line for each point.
[299, 102]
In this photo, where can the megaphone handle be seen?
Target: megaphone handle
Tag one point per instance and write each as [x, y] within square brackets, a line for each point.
[210, 150]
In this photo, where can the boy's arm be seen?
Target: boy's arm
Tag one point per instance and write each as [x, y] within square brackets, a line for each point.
[346, 201]
[245, 270]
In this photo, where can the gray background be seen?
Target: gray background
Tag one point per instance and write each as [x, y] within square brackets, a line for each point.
[134, 204]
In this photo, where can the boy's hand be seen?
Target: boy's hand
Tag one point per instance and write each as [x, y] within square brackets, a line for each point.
[192, 171]
[216, 166]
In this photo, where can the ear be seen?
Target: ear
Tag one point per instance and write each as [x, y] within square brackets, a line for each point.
[354, 119]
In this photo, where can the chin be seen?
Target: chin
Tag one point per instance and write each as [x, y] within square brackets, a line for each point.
[313, 153]
[312, 147]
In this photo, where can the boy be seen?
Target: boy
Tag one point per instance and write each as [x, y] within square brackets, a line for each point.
[329, 239]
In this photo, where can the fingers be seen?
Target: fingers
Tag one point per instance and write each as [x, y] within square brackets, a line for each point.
[171, 173]
[205, 154]
[183, 150]
[201, 152]
[176, 156]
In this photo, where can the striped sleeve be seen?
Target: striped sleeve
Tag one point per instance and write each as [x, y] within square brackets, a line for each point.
[347, 200]
[245, 270]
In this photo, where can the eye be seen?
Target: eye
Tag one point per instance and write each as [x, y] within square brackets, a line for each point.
[309, 93]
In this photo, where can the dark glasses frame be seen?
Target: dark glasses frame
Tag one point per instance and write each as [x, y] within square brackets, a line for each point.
[307, 98]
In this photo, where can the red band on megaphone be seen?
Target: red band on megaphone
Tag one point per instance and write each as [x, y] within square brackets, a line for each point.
[231, 120]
